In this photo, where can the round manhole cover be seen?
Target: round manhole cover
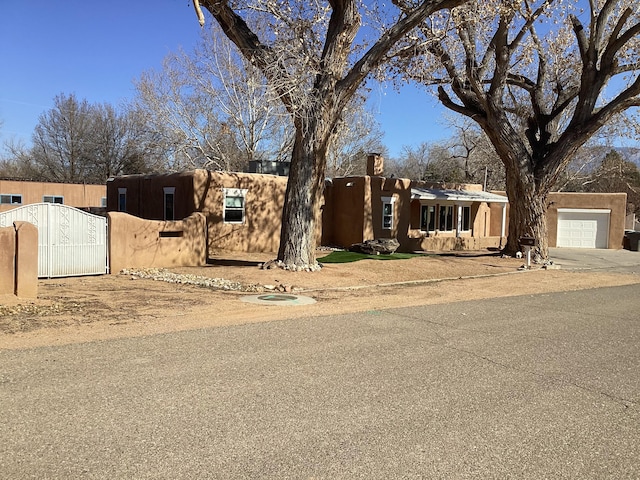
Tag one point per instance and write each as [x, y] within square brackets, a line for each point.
[278, 299]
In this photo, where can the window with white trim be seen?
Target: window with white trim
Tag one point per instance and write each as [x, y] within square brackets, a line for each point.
[122, 199]
[465, 223]
[169, 202]
[10, 199]
[428, 218]
[387, 212]
[234, 205]
[53, 199]
[446, 218]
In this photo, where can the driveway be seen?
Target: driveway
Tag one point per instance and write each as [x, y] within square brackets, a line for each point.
[619, 261]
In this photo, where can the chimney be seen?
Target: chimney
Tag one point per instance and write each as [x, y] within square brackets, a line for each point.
[375, 165]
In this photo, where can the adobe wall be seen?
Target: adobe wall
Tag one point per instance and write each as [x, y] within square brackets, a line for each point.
[74, 195]
[19, 260]
[345, 211]
[7, 260]
[400, 190]
[264, 201]
[449, 243]
[145, 194]
[138, 243]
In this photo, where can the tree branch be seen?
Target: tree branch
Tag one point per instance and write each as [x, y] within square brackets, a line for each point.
[376, 54]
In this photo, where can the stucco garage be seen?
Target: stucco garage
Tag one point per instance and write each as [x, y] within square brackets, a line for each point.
[583, 228]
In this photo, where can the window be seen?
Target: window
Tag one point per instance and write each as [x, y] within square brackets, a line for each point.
[53, 199]
[169, 200]
[446, 218]
[234, 201]
[11, 199]
[122, 199]
[103, 201]
[427, 218]
[465, 223]
[387, 212]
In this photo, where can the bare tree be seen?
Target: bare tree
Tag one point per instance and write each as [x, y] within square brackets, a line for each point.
[476, 156]
[466, 157]
[16, 161]
[357, 134]
[537, 77]
[213, 109]
[609, 172]
[427, 162]
[79, 142]
[62, 140]
[118, 144]
[309, 57]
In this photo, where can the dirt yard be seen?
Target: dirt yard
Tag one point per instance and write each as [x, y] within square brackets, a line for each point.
[79, 309]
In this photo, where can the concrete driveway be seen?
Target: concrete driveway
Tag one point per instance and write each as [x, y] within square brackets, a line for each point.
[619, 261]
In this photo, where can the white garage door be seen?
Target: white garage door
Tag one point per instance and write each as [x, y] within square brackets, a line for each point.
[583, 228]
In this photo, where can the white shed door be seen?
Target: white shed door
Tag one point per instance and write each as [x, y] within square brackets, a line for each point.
[583, 228]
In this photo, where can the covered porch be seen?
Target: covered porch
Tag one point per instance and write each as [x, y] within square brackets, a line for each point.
[446, 219]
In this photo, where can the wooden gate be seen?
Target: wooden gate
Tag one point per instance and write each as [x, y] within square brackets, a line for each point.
[70, 242]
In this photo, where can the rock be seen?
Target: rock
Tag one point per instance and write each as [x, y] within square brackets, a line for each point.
[384, 246]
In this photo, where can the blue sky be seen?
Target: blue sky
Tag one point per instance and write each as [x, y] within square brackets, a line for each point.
[95, 50]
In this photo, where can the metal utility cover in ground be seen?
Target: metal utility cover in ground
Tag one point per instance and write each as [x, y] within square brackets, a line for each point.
[279, 299]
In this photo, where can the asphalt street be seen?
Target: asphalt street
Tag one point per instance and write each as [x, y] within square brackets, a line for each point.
[544, 386]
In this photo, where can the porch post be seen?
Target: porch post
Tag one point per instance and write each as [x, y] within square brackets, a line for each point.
[503, 221]
[459, 221]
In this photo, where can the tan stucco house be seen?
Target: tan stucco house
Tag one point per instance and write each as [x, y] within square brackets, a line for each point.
[243, 211]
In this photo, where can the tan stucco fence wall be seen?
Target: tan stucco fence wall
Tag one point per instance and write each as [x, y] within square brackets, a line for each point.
[19, 260]
[139, 243]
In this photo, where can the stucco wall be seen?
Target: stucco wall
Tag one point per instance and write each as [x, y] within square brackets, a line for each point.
[398, 189]
[138, 243]
[145, 194]
[203, 191]
[74, 195]
[260, 230]
[19, 260]
[7, 260]
[345, 211]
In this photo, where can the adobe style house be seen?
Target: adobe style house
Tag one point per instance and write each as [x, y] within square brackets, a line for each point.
[15, 193]
[243, 211]
[420, 216]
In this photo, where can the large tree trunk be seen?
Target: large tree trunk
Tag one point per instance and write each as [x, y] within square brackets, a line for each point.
[527, 215]
[304, 195]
